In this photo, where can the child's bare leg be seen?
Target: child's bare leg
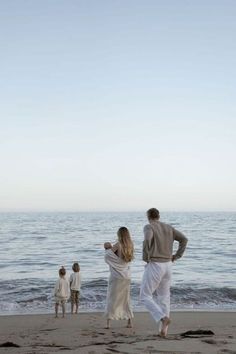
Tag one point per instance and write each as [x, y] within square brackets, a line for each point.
[56, 310]
[72, 306]
[108, 324]
[76, 307]
[129, 324]
[63, 309]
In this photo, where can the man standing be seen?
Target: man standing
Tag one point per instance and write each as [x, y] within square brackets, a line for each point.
[157, 252]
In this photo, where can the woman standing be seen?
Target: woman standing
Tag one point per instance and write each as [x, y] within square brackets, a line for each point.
[118, 258]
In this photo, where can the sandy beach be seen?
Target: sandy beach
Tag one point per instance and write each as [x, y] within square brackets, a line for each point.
[85, 333]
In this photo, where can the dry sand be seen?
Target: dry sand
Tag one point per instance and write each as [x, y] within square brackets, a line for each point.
[85, 333]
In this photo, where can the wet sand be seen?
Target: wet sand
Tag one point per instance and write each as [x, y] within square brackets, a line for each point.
[85, 333]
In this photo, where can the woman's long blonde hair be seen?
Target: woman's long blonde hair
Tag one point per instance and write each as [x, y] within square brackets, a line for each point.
[127, 247]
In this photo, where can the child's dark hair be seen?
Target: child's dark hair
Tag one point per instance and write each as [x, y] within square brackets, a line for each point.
[76, 267]
[62, 271]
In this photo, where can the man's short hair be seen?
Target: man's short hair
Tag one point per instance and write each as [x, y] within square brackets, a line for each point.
[153, 213]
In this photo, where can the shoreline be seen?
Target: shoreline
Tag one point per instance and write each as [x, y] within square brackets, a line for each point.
[85, 334]
[93, 312]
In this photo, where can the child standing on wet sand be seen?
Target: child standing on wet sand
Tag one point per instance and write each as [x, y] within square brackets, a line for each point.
[75, 287]
[61, 292]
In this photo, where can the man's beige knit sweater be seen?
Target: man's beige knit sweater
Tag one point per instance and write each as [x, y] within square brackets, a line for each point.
[158, 242]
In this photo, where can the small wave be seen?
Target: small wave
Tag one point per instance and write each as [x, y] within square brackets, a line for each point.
[4, 265]
[33, 296]
[9, 307]
[42, 298]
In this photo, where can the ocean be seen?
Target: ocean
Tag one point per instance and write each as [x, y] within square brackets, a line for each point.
[33, 246]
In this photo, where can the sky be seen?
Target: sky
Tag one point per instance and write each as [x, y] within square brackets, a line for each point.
[117, 105]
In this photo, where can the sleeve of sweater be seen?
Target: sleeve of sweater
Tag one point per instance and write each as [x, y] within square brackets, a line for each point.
[148, 235]
[178, 236]
[57, 287]
[68, 289]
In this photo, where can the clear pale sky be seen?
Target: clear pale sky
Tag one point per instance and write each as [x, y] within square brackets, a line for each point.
[117, 105]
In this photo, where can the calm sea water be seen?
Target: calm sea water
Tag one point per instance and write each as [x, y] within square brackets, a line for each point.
[34, 245]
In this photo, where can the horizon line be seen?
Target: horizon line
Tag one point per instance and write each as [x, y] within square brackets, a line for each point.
[115, 211]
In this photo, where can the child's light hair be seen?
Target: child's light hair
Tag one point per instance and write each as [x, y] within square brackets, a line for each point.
[76, 267]
[62, 271]
[127, 247]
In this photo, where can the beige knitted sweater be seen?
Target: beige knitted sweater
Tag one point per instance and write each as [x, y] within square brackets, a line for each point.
[158, 242]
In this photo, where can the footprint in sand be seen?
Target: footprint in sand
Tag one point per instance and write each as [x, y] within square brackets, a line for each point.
[215, 342]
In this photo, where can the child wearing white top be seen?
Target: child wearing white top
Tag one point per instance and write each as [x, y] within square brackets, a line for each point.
[75, 281]
[61, 291]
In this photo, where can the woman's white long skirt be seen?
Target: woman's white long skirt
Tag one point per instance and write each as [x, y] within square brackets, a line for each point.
[118, 299]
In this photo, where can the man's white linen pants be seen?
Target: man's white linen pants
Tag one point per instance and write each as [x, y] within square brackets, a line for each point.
[157, 277]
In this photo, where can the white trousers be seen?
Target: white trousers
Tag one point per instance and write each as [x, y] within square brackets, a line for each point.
[157, 277]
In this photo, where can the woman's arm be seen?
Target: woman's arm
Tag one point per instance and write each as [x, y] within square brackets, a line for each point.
[116, 248]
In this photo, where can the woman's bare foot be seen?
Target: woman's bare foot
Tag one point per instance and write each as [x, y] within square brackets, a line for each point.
[129, 324]
[164, 329]
[108, 324]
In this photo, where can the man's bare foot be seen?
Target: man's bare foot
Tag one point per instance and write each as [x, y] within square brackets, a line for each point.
[164, 329]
